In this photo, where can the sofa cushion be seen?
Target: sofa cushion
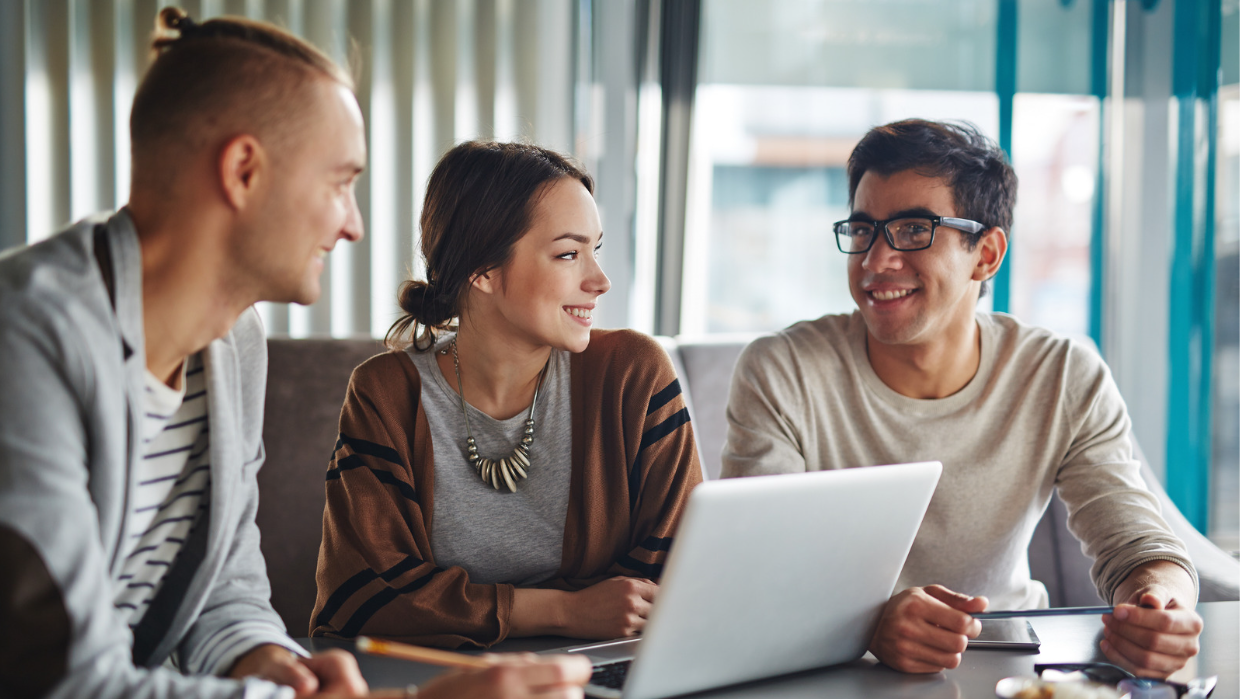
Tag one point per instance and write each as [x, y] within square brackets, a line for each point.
[707, 376]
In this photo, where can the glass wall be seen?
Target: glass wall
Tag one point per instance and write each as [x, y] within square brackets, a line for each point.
[1225, 456]
[785, 91]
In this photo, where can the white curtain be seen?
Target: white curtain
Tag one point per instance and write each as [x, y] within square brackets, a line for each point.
[431, 73]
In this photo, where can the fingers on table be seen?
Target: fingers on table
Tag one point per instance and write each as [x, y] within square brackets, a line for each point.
[1141, 664]
[1146, 653]
[1168, 621]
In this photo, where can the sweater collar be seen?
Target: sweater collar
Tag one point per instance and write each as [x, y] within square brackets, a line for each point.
[126, 254]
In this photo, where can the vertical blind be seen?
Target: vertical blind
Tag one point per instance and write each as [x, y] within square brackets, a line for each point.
[431, 73]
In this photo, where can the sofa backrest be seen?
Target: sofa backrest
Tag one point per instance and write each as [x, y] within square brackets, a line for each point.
[306, 385]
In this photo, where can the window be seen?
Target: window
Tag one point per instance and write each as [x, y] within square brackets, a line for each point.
[785, 91]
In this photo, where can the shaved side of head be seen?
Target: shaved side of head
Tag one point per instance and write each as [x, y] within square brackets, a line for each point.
[209, 83]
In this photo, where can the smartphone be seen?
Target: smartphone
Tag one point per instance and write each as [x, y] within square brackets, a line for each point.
[1006, 634]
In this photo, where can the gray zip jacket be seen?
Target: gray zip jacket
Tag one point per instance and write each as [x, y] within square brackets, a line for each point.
[71, 382]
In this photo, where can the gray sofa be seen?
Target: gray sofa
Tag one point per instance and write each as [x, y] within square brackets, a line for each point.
[306, 386]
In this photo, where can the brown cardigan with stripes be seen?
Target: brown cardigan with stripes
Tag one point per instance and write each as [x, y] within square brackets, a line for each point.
[634, 463]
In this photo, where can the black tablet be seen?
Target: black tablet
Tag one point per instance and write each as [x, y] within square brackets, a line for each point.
[1006, 634]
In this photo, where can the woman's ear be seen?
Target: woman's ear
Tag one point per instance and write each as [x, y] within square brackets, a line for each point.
[486, 282]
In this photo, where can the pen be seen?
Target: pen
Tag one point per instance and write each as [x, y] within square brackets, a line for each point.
[1055, 611]
[418, 654]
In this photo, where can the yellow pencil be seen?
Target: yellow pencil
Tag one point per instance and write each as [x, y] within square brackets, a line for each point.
[418, 654]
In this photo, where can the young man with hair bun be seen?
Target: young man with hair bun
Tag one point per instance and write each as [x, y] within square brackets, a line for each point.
[131, 400]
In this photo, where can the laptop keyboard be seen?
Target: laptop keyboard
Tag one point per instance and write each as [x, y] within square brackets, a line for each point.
[611, 675]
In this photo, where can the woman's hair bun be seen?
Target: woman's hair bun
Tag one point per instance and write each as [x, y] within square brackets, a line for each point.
[424, 304]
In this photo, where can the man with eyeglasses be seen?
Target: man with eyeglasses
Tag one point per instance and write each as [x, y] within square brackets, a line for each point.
[1012, 411]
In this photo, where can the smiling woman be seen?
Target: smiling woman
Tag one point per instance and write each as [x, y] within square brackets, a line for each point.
[506, 469]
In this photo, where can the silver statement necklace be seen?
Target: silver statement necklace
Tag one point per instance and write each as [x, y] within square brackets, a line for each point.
[511, 468]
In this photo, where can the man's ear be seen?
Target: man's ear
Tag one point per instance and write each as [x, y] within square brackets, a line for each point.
[243, 167]
[992, 248]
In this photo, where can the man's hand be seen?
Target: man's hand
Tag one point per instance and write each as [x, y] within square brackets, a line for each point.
[613, 608]
[1154, 630]
[332, 672]
[515, 676]
[926, 629]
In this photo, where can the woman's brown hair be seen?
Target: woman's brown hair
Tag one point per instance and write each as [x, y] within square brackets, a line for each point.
[478, 204]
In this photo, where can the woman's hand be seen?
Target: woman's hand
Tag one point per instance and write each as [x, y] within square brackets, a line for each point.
[610, 609]
[613, 608]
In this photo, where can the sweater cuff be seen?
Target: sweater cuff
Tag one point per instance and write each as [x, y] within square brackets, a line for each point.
[221, 651]
[505, 595]
[1109, 595]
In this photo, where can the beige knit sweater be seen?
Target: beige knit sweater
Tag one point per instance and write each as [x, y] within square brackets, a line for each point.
[1041, 413]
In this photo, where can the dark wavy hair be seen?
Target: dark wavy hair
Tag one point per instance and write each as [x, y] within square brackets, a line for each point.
[983, 182]
[478, 204]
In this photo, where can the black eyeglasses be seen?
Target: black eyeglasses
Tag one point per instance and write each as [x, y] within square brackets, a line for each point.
[905, 234]
[1106, 673]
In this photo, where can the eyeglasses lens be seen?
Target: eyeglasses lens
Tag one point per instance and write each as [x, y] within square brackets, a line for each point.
[911, 233]
[855, 236]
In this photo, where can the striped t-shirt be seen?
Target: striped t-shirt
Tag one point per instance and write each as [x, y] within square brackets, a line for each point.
[170, 486]
[170, 493]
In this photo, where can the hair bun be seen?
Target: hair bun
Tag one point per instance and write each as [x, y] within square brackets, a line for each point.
[174, 19]
[423, 303]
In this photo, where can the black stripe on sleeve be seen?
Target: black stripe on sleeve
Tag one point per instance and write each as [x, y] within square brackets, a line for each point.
[348, 463]
[655, 544]
[664, 397]
[361, 446]
[350, 587]
[346, 590]
[649, 437]
[390, 478]
[380, 600]
[647, 570]
[663, 429]
[352, 461]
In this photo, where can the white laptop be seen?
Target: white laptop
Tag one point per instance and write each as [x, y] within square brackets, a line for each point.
[770, 575]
